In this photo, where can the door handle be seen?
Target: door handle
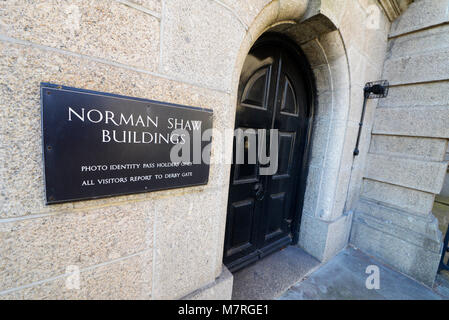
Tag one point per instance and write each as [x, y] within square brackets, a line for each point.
[258, 191]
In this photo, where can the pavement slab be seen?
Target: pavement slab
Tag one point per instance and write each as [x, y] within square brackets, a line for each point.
[271, 276]
[344, 277]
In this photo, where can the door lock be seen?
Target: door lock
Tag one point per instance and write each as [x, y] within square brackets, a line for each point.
[258, 191]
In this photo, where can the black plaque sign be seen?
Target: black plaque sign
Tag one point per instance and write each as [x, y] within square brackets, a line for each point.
[98, 144]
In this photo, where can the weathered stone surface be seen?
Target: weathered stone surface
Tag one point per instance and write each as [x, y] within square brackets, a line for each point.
[310, 28]
[445, 190]
[420, 226]
[267, 18]
[417, 95]
[421, 14]
[22, 190]
[417, 121]
[365, 28]
[419, 175]
[429, 243]
[392, 8]
[104, 29]
[323, 79]
[424, 67]
[358, 65]
[408, 199]
[345, 278]
[428, 40]
[247, 11]
[341, 194]
[220, 289]
[328, 140]
[43, 247]
[154, 5]
[314, 53]
[327, 193]
[375, 238]
[427, 149]
[312, 190]
[129, 278]
[324, 239]
[185, 244]
[334, 10]
[292, 9]
[205, 51]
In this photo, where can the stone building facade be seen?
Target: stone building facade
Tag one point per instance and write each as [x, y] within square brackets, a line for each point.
[169, 244]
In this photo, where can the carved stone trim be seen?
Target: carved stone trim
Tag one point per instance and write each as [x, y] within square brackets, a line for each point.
[394, 8]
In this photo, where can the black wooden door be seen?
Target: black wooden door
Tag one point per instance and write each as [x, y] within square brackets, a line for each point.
[261, 209]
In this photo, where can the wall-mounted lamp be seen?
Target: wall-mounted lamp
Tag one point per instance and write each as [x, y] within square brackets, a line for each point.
[372, 90]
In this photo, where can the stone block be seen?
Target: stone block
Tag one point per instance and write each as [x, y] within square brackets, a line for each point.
[332, 45]
[419, 15]
[347, 157]
[365, 28]
[205, 51]
[103, 29]
[220, 289]
[324, 239]
[328, 191]
[417, 95]
[428, 40]
[411, 200]
[320, 138]
[341, 99]
[312, 190]
[375, 238]
[338, 235]
[340, 73]
[341, 193]
[426, 67]
[426, 149]
[314, 53]
[153, 5]
[312, 26]
[327, 142]
[334, 10]
[414, 174]
[323, 78]
[416, 121]
[292, 9]
[445, 190]
[39, 248]
[247, 11]
[409, 225]
[185, 242]
[128, 278]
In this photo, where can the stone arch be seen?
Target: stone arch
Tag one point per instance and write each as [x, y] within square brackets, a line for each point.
[313, 27]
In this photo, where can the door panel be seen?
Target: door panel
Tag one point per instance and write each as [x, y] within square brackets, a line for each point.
[242, 215]
[271, 95]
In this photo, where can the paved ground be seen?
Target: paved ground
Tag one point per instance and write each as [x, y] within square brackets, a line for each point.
[292, 274]
[273, 275]
[344, 278]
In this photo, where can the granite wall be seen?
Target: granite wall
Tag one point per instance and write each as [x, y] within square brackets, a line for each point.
[406, 164]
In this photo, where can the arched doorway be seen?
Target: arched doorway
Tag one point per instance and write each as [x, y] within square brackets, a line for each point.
[275, 92]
